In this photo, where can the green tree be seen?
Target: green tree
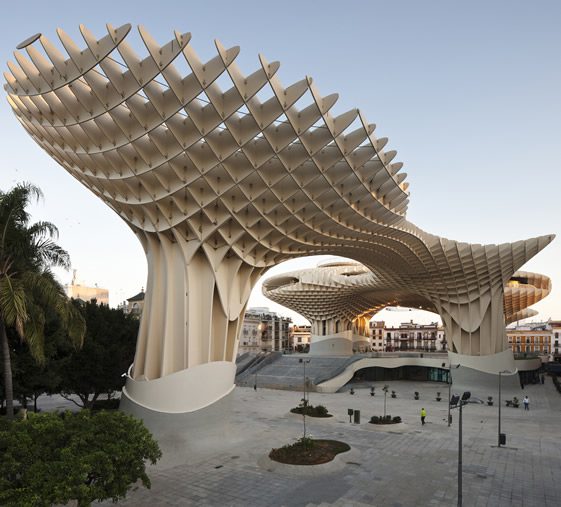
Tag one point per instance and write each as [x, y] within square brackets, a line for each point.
[55, 458]
[30, 379]
[27, 286]
[106, 354]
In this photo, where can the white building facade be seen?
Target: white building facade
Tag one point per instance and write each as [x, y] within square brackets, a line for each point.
[408, 336]
[264, 331]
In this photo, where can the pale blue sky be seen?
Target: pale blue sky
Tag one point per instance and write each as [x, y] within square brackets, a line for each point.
[467, 92]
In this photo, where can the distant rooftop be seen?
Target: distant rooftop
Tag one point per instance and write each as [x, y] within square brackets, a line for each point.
[138, 297]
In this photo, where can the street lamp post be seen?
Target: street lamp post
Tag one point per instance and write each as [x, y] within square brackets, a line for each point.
[304, 361]
[459, 403]
[499, 429]
[456, 366]
[460, 485]
[385, 389]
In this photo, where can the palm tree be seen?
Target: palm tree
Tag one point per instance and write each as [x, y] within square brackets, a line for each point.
[27, 285]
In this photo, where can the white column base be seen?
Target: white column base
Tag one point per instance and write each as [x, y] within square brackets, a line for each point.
[339, 344]
[343, 343]
[480, 375]
[183, 391]
[493, 363]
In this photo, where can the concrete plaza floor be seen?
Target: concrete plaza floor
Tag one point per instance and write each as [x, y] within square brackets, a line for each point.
[407, 465]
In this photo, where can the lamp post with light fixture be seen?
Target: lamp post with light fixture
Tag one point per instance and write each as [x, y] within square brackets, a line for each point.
[459, 403]
[305, 400]
[500, 441]
[456, 366]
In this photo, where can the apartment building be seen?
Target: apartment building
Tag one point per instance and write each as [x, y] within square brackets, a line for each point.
[408, 336]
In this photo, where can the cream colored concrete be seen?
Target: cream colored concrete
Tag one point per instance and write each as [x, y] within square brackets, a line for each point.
[220, 184]
[183, 391]
[528, 364]
[334, 384]
[490, 363]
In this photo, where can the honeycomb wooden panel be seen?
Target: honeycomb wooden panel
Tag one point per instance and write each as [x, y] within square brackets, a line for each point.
[219, 183]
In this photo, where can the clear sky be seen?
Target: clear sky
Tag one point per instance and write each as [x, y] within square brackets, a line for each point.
[467, 92]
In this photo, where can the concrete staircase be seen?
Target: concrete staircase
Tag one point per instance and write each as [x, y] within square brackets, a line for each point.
[287, 372]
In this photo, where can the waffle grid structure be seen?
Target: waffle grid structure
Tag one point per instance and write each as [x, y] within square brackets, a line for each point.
[221, 182]
[337, 297]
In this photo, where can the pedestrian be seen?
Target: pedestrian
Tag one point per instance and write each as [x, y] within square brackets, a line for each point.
[543, 378]
[255, 387]
[526, 402]
[423, 415]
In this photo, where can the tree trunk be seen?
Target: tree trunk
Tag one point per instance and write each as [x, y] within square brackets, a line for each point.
[94, 399]
[9, 390]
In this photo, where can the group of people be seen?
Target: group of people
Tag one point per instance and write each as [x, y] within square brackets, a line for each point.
[525, 401]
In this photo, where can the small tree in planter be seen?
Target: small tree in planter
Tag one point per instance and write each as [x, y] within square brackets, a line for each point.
[372, 391]
[306, 409]
[416, 395]
[388, 419]
[490, 401]
[438, 397]
[394, 394]
[385, 389]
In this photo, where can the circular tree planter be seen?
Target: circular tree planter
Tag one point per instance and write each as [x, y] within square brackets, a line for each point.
[311, 411]
[385, 420]
[309, 452]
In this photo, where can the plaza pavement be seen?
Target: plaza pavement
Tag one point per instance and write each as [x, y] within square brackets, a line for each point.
[409, 465]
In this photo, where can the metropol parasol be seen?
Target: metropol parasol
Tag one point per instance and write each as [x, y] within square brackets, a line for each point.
[219, 183]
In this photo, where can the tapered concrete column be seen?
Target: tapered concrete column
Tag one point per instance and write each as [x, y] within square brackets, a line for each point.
[475, 327]
[194, 307]
[340, 336]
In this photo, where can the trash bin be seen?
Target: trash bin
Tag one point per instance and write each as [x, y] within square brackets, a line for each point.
[357, 416]
[502, 438]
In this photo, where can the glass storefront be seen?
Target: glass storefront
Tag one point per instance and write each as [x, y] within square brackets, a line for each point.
[419, 373]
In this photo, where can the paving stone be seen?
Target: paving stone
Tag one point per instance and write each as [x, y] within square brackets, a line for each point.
[417, 467]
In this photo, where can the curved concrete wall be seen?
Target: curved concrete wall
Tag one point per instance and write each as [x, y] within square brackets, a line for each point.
[480, 383]
[334, 384]
[343, 343]
[528, 364]
[492, 363]
[332, 344]
[199, 386]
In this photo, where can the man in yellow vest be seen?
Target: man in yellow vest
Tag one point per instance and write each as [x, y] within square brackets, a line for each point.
[423, 415]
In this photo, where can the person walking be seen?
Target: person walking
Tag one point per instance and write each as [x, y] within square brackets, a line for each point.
[526, 402]
[423, 415]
